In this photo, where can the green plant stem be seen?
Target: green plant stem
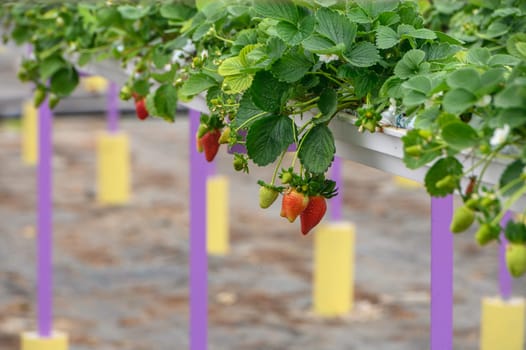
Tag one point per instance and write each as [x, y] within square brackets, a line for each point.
[249, 120]
[275, 174]
[315, 99]
[516, 196]
[308, 123]
[510, 185]
[223, 39]
[330, 77]
[301, 144]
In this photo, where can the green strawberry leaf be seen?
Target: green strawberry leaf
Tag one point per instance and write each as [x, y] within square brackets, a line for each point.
[386, 37]
[267, 92]
[166, 102]
[512, 172]
[133, 12]
[320, 44]
[268, 137]
[292, 66]
[141, 87]
[178, 12]
[248, 112]
[514, 117]
[64, 81]
[292, 33]
[458, 100]
[374, 7]
[513, 96]
[419, 83]
[422, 33]
[196, 84]
[235, 84]
[281, 10]
[335, 27]
[363, 54]
[328, 102]
[231, 66]
[515, 232]
[479, 56]
[442, 168]
[515, 45]
[459, 135]
[466, 78]
[317, 149]
[50, 66]
[412, 63]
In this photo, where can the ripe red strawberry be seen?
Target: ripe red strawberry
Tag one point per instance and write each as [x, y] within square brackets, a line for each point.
[313, 214]
[210, 142]
[293, 204]
[140, 109]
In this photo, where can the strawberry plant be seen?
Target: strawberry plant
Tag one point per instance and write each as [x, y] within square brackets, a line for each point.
[277, 73]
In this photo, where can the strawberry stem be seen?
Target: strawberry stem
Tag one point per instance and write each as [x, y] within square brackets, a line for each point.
[516, 196]
[275, 174]
[301, 144]
[250, 119]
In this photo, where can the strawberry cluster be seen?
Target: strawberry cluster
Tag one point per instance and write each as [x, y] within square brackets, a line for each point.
[303, 196]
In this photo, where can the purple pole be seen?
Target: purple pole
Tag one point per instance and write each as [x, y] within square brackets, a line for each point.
[336, 203]
[505, 279]
[441, 274]
[198, 253]
[45, 225]
[113, 108]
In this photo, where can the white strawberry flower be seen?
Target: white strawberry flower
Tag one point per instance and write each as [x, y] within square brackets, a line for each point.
[328, 58]
[484, 101]
[389, 115]
[500, 135]
[189, 48]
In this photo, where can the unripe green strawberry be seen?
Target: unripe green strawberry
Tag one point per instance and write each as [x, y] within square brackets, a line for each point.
[414, 150]
[472, 203]
[426, 134]
[462, 219]
[53, 101]
[487, 202]
[516, 259]
[239, 163]
[201, 131]
[39, 96]
[225, 136]
[125, 93]
[486, 233]
[448, 182]
[370, 125]
[267, 196]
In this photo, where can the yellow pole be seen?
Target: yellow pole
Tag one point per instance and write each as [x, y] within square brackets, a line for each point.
[31, 341]
[29, 133]
[333, 291]
[404, 182]
[217, 222]
[95, 84]
[502, 324]
[113, 168]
